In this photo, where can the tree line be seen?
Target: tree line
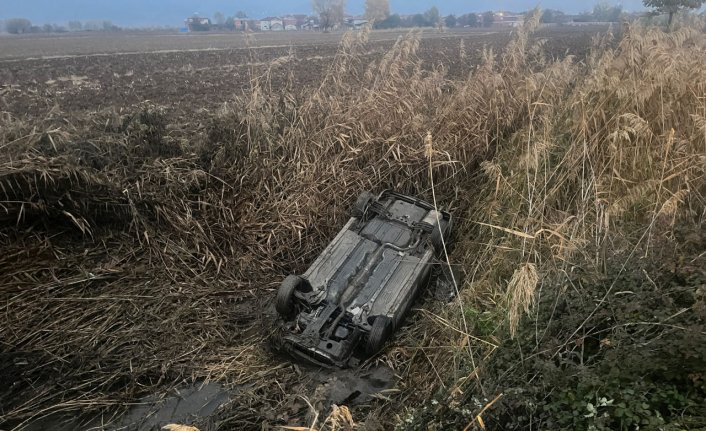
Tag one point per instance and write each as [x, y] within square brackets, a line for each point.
[25, 26]
[332, 12]
[431, 18]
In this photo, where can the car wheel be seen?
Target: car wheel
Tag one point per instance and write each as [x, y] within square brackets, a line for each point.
[379, 333]
[284, 304]
[436, 237]
[361, 204]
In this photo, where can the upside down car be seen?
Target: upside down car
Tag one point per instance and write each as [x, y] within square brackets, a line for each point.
[359, 289]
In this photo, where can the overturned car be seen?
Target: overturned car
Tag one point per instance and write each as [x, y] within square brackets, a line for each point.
[357, 292]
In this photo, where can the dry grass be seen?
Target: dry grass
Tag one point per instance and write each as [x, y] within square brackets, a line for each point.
[144, 257]
[521, 291]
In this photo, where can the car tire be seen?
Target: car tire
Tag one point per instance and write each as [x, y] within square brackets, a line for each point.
[284, 303]
[379, 333]
[362, 203]
[436, 238]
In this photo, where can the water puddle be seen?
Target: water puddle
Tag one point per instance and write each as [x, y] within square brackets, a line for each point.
[180, 406]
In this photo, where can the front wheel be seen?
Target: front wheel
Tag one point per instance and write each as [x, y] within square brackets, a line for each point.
[284, 304]
[379, 333]
[362, 203]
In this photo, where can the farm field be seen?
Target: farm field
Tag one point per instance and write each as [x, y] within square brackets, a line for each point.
[18, 47]
[192, 72]
[156, 188]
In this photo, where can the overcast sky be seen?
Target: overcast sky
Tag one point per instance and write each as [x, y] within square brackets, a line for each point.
[173, 12]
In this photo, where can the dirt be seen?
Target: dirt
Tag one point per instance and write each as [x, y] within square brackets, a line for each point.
[200, 72]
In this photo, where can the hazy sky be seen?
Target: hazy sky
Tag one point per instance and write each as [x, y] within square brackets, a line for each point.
[173, 12]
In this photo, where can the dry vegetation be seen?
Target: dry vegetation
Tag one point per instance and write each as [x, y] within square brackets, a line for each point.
[136, 255]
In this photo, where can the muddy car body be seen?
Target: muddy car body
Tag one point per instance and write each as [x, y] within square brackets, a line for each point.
[359, 289]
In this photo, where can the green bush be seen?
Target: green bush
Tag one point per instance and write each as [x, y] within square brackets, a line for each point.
[636, 362]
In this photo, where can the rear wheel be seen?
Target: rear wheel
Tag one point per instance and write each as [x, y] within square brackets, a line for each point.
[379, 333]
[285, 295]
[362, 203]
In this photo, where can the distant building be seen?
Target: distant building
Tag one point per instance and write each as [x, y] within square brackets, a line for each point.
[276, 25]
[271, 23]
[289, 21]
[356, 23]
[197, 23]
[508, 19]
[286, 23]
[310, 24]
[301, 19]
[239, 24]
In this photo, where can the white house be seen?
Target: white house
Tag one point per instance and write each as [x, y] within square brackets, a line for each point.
[276, 25]
[356, 23]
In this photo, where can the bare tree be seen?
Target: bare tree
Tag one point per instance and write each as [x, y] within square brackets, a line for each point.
[219, 18]
[331, 12]
[75, 25]
[432, 17]
[671, 7]
[377, 10]
[488, 19]
[18, 25]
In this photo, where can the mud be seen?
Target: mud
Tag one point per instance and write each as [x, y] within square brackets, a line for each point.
[354, 387]
[321, 389]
